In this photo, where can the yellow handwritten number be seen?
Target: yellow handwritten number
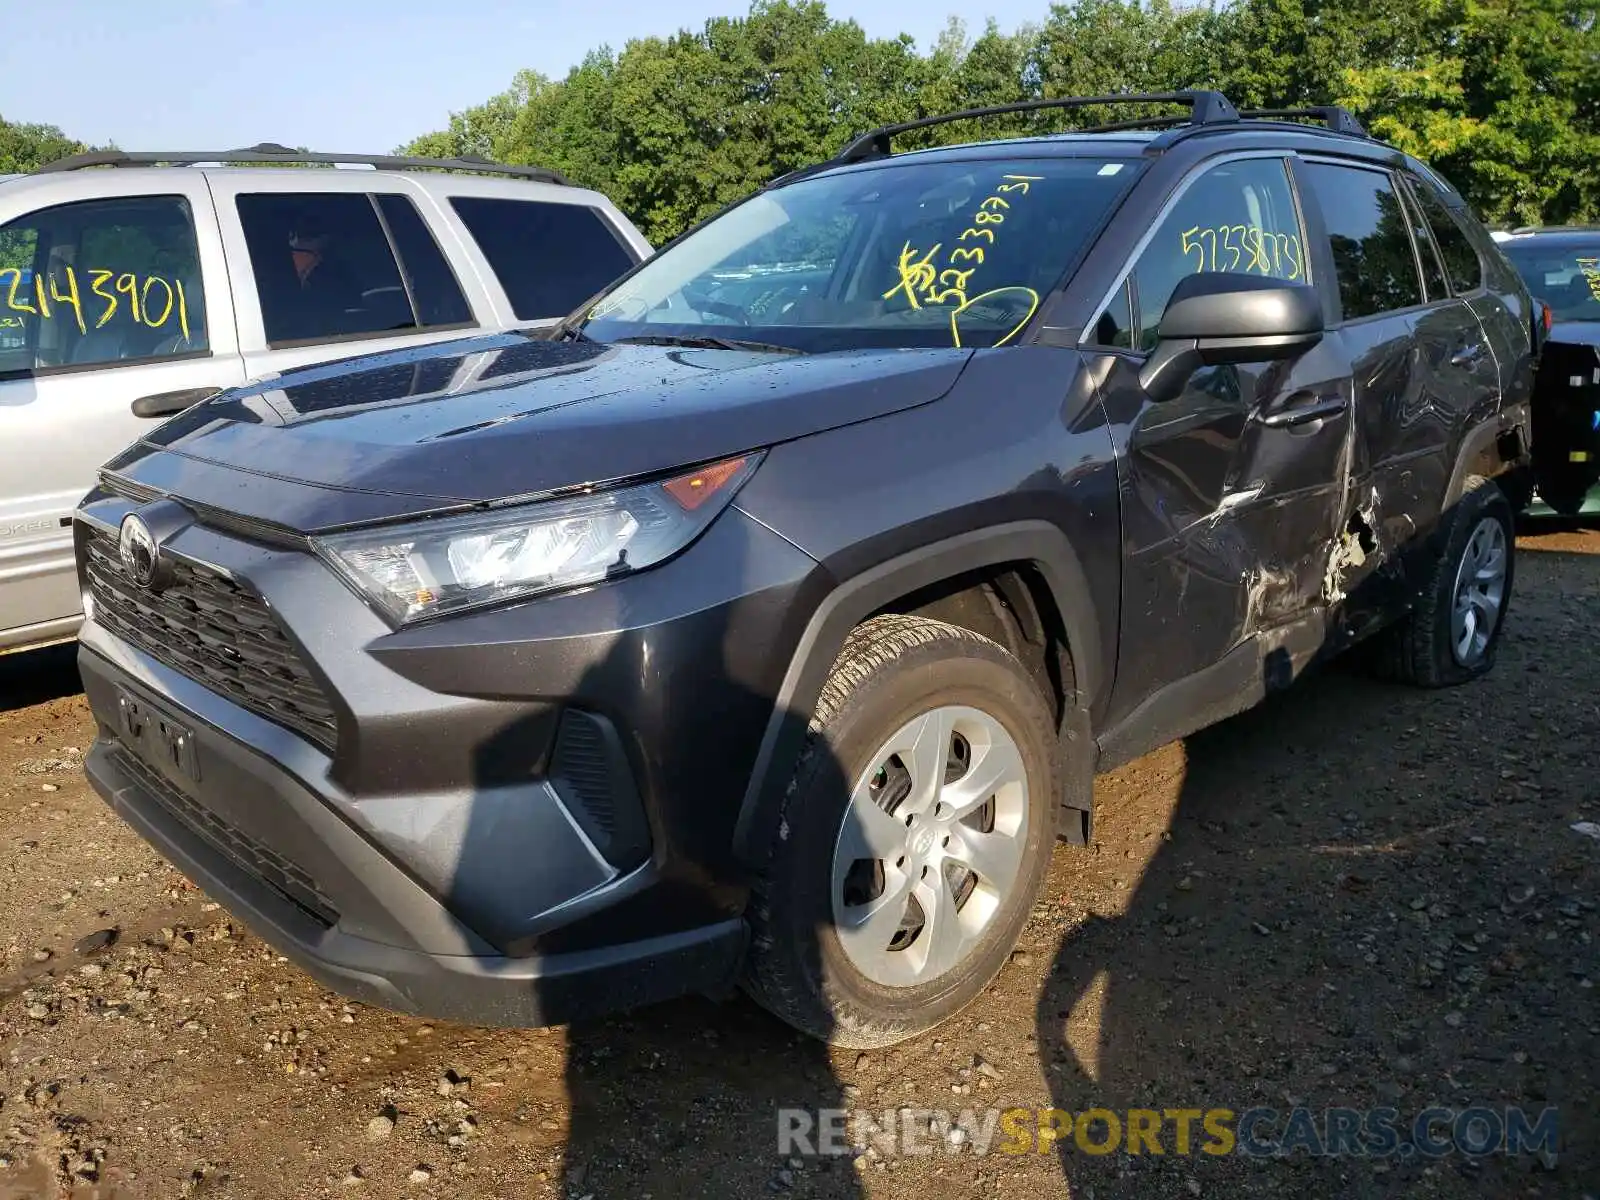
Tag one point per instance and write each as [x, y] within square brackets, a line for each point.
[71, 298]
[11, 293]
[97, 281]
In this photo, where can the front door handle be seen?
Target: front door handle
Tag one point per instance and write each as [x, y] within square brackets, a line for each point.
[1467, 354]
[1303, 412]
[164, 404]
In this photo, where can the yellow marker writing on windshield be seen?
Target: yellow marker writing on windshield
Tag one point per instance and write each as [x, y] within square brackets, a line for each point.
[1591, 274]
[915, 273]
[1019, 293]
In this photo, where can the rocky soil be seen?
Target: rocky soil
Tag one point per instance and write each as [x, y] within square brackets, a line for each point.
[1357, 895]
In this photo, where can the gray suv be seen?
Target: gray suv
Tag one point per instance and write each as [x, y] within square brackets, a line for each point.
[766, 621]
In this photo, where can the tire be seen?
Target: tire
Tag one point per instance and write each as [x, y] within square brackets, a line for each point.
[1420, 649]
[1518, 487]
[807, 953]
[1565, 488]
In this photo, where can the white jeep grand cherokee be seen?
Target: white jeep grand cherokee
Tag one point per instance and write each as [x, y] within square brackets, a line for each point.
[131, 291]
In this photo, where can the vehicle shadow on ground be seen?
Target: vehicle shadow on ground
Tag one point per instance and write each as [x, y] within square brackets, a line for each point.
[1269, 954]
[38, 676]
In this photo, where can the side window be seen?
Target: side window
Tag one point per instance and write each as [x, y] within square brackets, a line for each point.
[1115, 326]
[549, 258]
[1237, 217]
[434, 289]
[1460, 259]
[325, 267]
[100, 282]
[1372, 253]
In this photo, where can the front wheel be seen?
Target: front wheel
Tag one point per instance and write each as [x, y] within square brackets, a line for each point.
[915, 837]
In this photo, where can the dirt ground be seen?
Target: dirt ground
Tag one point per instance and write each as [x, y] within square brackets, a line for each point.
[1356, 895]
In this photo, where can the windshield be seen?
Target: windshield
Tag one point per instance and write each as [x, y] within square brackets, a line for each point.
[1565, 275]
[905, 254]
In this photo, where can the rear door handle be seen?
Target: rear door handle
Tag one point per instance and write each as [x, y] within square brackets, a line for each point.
[164, 404]
[1318, 408]
[1467, 354]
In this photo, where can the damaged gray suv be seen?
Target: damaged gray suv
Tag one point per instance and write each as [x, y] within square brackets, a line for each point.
[765, 622]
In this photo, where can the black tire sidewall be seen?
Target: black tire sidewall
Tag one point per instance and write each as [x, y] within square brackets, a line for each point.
[965, 672]
[1474, 506]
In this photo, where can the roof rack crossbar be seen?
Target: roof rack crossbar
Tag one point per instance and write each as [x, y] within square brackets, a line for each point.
[271, 152]
[1165, 122]
[1339, 120]
[1206, 108]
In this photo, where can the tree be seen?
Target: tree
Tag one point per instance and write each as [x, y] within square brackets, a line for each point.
[1502, 96]
[24, 147]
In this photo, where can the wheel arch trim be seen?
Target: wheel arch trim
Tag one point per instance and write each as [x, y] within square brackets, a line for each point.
[854, 599]
[1479, 450]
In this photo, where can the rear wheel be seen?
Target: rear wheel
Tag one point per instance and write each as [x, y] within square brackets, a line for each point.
[1518, 486]
[915, 837]
[1454, 632]
[1566, 486]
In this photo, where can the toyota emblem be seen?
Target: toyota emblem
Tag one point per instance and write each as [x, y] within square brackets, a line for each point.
[138, 550]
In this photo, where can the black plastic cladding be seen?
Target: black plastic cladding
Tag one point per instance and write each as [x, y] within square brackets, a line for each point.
[665, 708]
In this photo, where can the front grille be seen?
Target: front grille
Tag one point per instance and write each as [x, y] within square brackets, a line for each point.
[277, 872]
[216, 632]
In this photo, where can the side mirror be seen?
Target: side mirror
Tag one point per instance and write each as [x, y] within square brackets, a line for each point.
[165, 404]
[1216, 317]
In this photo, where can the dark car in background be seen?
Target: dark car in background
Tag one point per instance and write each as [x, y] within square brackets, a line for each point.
[767, 620]
[1561, 266]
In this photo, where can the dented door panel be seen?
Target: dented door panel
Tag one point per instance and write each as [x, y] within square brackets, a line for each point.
[1463, 376]
[1397, 420]
[1228, 520]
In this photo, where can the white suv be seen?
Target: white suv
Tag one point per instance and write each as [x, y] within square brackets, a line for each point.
[128, 294]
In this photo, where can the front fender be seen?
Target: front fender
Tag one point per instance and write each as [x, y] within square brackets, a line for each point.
[853, 600]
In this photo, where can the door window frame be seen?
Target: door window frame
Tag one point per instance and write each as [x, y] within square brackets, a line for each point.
[370, 195]
[1124, 277]
[1414, 185]
[41, 256]
[1325, 245]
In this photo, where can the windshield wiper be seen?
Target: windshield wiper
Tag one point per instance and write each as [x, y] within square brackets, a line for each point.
[706, 342]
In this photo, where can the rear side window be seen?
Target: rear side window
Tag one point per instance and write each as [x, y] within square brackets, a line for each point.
[1239, 217]
[100, 282]
[327, 266]
[1372, 252]
[549, 258]
[1460, 259]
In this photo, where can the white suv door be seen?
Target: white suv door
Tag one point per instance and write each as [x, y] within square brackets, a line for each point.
[105, 302]
[343, 263]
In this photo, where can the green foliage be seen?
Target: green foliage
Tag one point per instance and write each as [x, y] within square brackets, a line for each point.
[1502, 96]
[24, 147]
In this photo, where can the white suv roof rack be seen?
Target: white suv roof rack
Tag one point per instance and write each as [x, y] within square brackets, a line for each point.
[272, 152]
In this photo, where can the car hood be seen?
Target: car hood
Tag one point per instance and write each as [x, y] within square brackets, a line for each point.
[503, 416]
[1576, 333]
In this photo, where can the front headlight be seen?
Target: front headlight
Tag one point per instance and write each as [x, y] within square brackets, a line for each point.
[447, 564]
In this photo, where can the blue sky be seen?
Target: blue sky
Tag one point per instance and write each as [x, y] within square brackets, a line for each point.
[359, 76]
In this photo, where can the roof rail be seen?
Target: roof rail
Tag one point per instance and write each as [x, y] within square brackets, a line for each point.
[1339, 120]
[1206, 108]
[272, 152]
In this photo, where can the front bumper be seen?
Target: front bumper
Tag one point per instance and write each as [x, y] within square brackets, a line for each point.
[436, 859]
[210, 846]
